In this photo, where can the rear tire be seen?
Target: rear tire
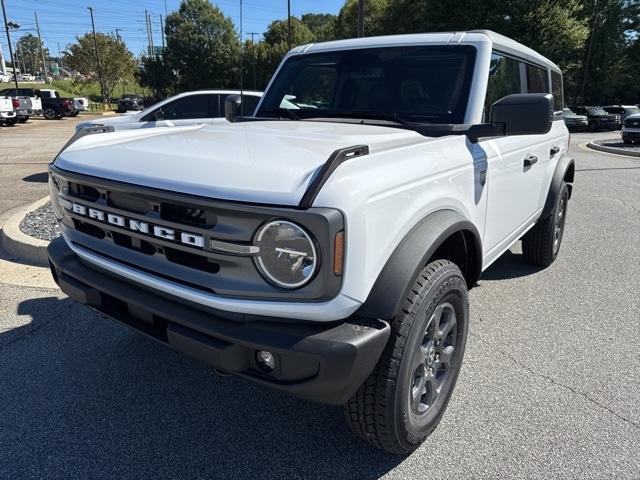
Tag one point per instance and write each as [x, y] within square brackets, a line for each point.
[23, 119]
[541, 244]
[10, 122]
[404, 398]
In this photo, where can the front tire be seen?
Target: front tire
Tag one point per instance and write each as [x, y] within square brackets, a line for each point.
[49, 113]
[541, 244]
[404, 398]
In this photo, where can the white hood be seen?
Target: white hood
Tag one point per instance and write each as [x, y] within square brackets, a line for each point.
[263, 162]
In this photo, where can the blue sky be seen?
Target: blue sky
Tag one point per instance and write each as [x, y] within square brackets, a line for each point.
[61, 20]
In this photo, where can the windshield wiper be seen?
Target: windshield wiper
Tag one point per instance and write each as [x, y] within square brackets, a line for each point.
[280, 111]
[373, 115]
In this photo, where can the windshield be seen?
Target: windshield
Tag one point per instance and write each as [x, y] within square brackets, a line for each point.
[405, 84]
[567, 112]
[632, 110]
[596, 111]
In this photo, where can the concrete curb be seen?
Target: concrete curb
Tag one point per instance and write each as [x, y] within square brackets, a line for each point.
[617, 151]
[20, 245]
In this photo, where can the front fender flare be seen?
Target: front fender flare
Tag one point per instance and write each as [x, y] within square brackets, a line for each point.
[409, 258]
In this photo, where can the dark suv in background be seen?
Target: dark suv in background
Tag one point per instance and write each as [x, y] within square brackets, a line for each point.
[598, 118]
[130, 101]
[623, 110]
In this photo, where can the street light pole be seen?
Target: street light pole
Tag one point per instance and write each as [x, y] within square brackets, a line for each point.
[6, 27]
[95, 47]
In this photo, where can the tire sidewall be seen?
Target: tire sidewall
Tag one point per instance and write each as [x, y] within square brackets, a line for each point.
[410, 428]
[49, 113]
[563, 193]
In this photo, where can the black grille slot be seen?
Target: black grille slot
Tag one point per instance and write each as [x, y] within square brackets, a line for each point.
[191, 260]
[129, 202]
[187, 215]
[89, 229]
[133, 243]
[84, 192]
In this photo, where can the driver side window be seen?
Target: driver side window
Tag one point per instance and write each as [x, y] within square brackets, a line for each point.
[504, 79]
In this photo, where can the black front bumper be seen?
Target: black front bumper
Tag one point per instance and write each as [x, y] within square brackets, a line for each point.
[325, 363]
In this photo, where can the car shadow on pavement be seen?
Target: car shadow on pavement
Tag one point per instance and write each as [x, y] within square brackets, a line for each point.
[509, 265]
[83, 397]
[42, 177]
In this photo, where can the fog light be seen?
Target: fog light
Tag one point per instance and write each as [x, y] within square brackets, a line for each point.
[266, 361]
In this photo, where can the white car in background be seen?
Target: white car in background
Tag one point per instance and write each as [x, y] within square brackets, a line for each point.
[81, 103]
[189, 108]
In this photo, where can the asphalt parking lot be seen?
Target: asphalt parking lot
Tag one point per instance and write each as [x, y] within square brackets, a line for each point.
[550, 385]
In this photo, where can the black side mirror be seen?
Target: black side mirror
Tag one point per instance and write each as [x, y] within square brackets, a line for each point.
[524, 113]
[232, 107]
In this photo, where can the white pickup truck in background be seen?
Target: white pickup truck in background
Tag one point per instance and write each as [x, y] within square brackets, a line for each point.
[28, 104]
[7, 113]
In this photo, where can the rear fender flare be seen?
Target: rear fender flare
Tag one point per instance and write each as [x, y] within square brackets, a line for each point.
[564, 171]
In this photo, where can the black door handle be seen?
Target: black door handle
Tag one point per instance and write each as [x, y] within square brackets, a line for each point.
[530, 160]
[554, 150]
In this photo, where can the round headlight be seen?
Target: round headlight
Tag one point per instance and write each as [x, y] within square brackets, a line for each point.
[54, 194]
[287, 256]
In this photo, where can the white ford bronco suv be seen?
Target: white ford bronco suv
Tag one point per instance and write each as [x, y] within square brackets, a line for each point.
[323, 245]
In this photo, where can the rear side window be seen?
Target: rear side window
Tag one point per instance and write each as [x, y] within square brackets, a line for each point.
[556, 89]
[193, 106]
[536, 80]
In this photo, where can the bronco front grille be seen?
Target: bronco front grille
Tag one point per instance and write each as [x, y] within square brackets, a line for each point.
[182, 237]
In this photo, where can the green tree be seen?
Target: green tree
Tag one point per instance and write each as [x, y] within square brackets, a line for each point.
[28, 54]
[554, 28]
[202, 46]
[607, 76]
[261, 59]
[117, 63]
[277, 33]
[321, 25]
[155, 73]
[346, 25]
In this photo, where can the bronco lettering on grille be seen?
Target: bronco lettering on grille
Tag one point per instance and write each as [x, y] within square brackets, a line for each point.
[159, 231]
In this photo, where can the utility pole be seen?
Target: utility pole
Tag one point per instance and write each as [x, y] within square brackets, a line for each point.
[6, 27]
[60, 57]
[95, 47]
[253, 60]
[118, 35]
[146, 21]
[162, 32]
[289, 23]
[19, 61]
[587, 60]
[151, 35]
[44, 65]
[360, 18]
[241, 66]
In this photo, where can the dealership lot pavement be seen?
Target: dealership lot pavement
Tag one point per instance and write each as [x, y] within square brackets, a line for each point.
[550, 386]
